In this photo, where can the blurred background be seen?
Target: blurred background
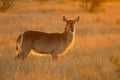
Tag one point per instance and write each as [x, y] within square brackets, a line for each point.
[95, 55]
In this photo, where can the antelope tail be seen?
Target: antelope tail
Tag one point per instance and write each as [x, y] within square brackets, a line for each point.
[19, 41]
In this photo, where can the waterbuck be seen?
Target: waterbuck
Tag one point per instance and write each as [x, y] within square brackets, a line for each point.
[46, 43]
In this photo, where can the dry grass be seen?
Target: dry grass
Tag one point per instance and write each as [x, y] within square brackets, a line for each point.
[94, 56]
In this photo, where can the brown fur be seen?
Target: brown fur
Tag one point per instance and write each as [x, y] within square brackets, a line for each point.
[47, 43]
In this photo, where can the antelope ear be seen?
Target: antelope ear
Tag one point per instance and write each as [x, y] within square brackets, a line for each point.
[64, 19]
[77, 19]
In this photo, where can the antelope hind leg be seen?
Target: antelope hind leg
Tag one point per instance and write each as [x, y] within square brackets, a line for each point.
[23, 54]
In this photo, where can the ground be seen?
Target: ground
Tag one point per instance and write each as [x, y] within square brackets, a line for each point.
[95, 54]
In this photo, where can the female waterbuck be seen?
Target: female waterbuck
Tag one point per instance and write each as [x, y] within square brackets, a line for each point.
[46, 43]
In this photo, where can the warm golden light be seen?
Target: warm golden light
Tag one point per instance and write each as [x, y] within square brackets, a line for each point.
[94, 55]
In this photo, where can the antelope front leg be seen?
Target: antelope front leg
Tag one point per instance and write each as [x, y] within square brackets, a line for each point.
[54, 56]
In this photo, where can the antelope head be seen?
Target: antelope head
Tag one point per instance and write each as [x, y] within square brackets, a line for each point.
[69, 28]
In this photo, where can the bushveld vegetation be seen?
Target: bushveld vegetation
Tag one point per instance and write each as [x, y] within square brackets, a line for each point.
[5, 4]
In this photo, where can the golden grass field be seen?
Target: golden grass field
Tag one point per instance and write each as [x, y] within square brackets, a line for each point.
[95, 55]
